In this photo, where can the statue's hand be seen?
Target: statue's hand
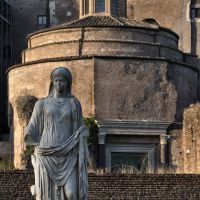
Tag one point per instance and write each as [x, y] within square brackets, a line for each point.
[33, 190]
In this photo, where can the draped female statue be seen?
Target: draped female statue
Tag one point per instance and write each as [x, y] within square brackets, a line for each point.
[57, 130]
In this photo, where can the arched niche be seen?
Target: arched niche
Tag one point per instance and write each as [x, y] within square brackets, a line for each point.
[151, 21]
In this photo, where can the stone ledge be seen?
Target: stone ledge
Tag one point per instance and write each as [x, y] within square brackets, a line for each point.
[102, 57]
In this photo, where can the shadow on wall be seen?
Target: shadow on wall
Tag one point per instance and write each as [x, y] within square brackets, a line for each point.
[24, 106]
[185, 82]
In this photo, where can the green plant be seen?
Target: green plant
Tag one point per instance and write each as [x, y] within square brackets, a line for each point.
[26, 157]
[6, 163]
[93, 130]
[24, 106]
[29, 150]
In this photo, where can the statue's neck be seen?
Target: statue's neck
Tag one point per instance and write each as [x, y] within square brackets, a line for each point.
[59, 95]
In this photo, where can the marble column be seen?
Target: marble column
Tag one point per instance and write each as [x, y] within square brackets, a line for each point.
[163, 148]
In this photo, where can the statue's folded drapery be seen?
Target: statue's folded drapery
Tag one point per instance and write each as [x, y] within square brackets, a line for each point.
[56, 158]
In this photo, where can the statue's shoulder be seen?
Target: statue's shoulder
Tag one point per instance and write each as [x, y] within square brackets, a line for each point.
[40, 103]
[75, 102]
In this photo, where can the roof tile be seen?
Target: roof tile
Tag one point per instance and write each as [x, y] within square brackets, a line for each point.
[107, 21]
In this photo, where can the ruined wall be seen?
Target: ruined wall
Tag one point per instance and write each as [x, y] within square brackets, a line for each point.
[175, 150]
[191, 139]
[34, 80]
[139, 89]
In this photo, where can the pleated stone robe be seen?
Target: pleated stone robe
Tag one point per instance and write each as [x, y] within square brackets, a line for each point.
[61, 154]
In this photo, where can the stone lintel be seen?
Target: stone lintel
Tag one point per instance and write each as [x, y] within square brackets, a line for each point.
[125, 127]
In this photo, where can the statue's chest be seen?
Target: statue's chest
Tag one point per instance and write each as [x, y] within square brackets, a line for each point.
[58, 110]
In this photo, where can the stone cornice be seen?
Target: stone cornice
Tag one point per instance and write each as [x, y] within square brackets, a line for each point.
[127, 127]
[100, 56]
[102, 27]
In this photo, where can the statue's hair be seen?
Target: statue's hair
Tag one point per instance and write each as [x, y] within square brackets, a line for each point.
[66, 74]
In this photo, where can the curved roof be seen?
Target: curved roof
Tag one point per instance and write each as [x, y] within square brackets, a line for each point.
[105, 21]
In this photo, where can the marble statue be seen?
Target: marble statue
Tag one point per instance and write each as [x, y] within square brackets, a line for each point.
[57, 130]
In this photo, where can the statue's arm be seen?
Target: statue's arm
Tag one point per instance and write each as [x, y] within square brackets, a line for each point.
[83, 138]
[35, 126]
[81, 120]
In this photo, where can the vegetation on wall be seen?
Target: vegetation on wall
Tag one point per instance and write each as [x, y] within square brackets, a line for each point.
[92, 141]
[6, 163]
[24, 106]
[93, 130]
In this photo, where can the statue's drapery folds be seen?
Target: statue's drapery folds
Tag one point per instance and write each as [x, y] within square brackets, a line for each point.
[61, 154]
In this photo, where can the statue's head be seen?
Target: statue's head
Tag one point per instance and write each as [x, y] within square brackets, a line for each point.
[64, 77]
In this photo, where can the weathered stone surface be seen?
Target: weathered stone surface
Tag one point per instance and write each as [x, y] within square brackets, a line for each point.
[176, 151]
[71, 40]
[191, 139]
[54, 51]
[142, 90]
[63, 35]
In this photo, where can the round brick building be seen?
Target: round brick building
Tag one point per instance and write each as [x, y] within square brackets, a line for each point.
[128, 75]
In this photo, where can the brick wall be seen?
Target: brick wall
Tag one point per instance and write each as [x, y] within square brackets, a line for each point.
[161, 96]
[170, 14]
[176, 150]
[190, 139]
[31, 82]
[14, 185]
[164, 12]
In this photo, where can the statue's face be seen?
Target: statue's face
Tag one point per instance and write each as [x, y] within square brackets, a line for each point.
[60, 84]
